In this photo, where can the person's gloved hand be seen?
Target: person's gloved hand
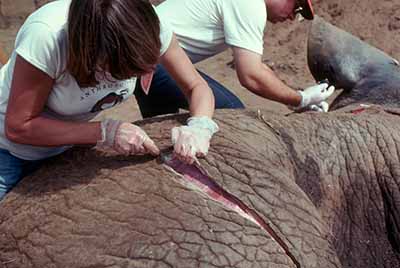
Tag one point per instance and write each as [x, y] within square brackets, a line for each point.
[315, 95]
[194, 139]
[322, 107]
[125, 138]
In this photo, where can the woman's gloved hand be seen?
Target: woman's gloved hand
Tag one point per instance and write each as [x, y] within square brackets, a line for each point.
[315, 95]
[193, 140]
[125, 138]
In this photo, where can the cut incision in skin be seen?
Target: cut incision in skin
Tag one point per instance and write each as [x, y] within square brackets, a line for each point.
[196, 178]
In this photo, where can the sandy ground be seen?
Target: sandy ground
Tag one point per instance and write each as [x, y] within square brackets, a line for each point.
[376, 22]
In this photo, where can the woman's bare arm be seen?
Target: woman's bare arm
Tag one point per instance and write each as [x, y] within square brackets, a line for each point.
[30, 90]
[195, 88]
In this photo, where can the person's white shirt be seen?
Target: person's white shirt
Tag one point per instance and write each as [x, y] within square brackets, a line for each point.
[42, 41]
[207, 27]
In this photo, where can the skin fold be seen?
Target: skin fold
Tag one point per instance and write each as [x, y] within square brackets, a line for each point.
[327, 184]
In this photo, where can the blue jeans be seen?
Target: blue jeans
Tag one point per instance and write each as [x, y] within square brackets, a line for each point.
[13, 169]
[165, 96]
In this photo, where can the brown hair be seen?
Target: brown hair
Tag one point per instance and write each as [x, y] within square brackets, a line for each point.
[121, 37]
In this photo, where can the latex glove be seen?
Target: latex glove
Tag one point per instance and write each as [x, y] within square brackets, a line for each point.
[315, 95]
[193, 140]
[125, 138]
[322, 107]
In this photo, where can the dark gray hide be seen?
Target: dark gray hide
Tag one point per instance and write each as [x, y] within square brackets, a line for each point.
[366, 74]
[328, 184]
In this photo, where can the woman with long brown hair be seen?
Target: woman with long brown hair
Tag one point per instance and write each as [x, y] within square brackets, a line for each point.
[75, 58]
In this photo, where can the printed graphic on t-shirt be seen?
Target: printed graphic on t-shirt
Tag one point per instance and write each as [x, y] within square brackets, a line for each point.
[118, 92]
[109, 101]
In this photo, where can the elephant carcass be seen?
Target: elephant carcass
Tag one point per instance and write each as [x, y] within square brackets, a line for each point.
[326, 183]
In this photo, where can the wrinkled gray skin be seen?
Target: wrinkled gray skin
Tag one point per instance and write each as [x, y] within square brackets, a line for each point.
[328, 184]
[366, 74]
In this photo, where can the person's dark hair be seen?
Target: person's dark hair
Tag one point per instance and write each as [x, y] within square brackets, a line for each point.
[121, 37]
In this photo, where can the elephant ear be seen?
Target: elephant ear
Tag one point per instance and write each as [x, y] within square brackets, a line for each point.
[365, 73]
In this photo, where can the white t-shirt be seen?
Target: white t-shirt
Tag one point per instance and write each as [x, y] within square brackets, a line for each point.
[207, 27]
[42, 41]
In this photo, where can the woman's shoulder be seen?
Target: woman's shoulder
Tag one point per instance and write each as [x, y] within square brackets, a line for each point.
[54, 15]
